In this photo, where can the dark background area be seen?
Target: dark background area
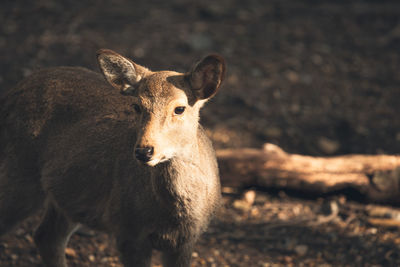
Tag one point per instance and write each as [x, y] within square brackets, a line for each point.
[314, 77]
[317, 77]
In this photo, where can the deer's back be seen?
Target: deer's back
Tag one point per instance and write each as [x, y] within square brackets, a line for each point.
[62, 95]
[62, 114]
[68, 122]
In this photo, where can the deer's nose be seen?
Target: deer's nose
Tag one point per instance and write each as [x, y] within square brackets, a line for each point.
[144, 153]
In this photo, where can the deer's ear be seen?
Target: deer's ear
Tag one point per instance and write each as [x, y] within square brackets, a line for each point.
[119, 71]
[207, 76]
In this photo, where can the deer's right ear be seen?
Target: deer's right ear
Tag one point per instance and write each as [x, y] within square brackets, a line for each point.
[206, 76]
[119, 71]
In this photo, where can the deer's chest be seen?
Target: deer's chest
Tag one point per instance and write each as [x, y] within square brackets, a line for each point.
[176, 221]
[174, 225]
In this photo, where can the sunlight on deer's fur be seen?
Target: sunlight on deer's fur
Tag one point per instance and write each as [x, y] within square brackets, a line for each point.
[125, 155]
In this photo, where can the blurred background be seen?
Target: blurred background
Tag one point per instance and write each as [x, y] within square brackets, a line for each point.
[316, 77]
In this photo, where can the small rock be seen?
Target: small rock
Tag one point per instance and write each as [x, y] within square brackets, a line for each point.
[249, 196]
[261, 199]
[225, 242]
[290, 243]
[10, 27]
[306, 78]
[32, 259]
[70, 252]
[316, 59]
[295, 108]
[277, 94]
[228, 190]
[301, 250]
[102, 247]
[327, 145]
[342, 200]
[210, 259]
[255, 72]
[92, 258]
[292, 76]
[287, 259]
[283, 216]
[26, 72]
[29, 238]
[273, 132]
[238, 235]
[139, 52]
[241, 205]
[19, 232]
[330, 207]
[255, 212]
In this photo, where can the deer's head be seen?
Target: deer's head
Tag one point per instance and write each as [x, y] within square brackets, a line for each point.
[167, 103]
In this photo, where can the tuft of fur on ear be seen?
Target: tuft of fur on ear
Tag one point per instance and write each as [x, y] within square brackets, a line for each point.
[207, 76]
[119, 71]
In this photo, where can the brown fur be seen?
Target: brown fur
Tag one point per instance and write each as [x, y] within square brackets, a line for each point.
[68, 141]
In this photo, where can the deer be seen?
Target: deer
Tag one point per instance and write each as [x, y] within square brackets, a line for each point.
[121, 151]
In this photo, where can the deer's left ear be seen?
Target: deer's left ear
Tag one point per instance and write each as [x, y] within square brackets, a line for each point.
[207, 76]
[119, 71]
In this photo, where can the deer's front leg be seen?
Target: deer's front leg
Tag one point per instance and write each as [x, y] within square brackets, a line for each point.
[135, 251]
[178, 258]
[52, 236]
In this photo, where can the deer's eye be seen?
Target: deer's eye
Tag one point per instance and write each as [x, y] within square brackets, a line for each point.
[179, 110]
[137, 108]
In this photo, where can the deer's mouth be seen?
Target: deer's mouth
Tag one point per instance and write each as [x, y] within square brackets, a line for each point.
[155, 161]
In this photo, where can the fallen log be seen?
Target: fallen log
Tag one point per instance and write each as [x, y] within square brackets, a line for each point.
[377, 177]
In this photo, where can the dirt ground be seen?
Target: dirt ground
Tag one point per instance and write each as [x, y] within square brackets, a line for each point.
[314, 77]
